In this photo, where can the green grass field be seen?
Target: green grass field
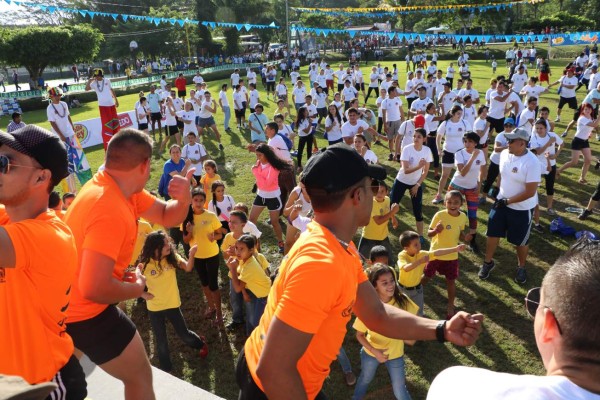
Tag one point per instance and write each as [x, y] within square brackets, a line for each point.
[507, 342]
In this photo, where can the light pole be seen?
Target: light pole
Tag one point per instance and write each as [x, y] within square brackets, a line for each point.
[287, 24]
[133, 47]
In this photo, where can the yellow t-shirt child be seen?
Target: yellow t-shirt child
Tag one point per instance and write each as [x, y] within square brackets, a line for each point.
[205, 224]
[450, 236]
[253, 275]
[161, 280]
[374, 231]
[206, 182]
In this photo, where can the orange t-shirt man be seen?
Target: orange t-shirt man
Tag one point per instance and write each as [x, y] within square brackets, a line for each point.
[104, 221]
[34, 296]
[313, 294]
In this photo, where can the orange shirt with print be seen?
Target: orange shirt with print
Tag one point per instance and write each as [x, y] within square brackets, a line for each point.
[314, 293]
[34, 296]
[104, 221]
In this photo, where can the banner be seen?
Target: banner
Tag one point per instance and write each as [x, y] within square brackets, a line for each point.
[574, 38]
[89, 131]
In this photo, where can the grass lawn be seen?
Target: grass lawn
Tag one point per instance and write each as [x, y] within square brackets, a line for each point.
[507, 343]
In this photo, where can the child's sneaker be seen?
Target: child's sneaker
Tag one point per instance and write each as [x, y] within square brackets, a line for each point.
[521, 276]
[350, 378]
[486, 268]
[438, 200]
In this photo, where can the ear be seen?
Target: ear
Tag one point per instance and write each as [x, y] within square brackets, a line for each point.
[43, 177]
[550, 329]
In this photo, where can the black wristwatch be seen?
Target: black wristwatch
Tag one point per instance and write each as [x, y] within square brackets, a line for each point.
[440, 331]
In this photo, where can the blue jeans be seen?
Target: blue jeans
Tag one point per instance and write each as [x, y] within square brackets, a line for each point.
[254, 310]
[368, 367]
[227, 116]
[237, 302]
[344, 361]
[416, 295]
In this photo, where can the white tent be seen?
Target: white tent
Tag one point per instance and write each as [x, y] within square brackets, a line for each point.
[437, 29]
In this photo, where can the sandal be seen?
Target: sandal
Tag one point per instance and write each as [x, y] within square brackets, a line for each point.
[583, 181]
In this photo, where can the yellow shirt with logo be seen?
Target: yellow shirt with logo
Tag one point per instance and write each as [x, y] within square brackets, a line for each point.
[450, 236]
[205, 224]
[413, 277]
[161, 280]
[373, 231]
[255, 278]
[144, 228]
[394, 347]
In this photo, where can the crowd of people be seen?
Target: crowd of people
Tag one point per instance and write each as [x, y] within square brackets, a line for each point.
[70, 262]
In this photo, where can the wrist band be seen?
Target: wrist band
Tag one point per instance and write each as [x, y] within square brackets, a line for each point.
[439, 331]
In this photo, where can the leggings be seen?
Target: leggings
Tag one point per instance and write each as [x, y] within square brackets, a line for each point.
[493, 172]
[432, 144]
[376, 89]
[379, 124]
[305, 141]
[208, 271]
[398, 190]
[472, 197]
[549, 179]
[596, 194]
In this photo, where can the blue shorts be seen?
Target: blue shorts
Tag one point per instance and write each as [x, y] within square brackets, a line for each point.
[515, 225]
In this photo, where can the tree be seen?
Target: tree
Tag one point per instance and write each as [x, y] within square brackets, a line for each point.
[36, 48]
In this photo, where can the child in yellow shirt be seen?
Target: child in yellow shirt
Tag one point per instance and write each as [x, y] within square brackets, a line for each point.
[447, 228]
[210, 175]
[411, 263]
[377, 230]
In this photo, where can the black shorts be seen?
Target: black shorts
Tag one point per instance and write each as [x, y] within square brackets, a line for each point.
[514, 224]
[340, 87]
[103, 337]
[272, 204]
[180, 124]
[580, 144]
[482, 146]
[208, 271]
[270, 86]
[447, 158]
[71, 382]
[181, 93]
[172, 130]
[142, 127]
[156, 117]
[571, 102]
[240, 113]
[496, 123]
[322, 112]
[359, 86]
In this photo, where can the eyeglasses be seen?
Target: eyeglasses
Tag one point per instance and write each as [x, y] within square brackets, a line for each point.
[532, 303]
[6, 165]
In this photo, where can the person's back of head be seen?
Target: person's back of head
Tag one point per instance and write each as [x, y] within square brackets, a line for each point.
[571, 290]
[128, 149]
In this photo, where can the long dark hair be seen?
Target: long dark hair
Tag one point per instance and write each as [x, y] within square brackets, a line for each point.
[337, 114]
[271, 157]
[152, 250]
[197, 191]
[375, 272]
[300, 117]
[213, 189]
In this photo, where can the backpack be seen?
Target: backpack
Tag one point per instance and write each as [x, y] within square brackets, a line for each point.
[559, 227]
[288, 142]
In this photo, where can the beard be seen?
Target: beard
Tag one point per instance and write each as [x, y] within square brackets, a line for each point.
[10, 198]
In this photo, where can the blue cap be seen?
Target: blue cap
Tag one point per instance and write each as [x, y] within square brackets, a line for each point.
[508, 121]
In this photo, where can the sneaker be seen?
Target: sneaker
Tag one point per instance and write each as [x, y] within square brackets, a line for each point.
[203, 353]
[294, 153]
[557, 119]
[486, 268]
[221, 147]
[538, 228]
[391, 157]
[521, 276]
[551, 211]
[398, 157]
[584, 214]
[281, 246]
[350, 378]
[438, 200]
[564, 134]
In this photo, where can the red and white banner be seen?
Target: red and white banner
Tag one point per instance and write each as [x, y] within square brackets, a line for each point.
[89, 131]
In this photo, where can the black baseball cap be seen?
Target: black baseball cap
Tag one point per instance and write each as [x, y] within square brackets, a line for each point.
[43, 146]
[337, 168]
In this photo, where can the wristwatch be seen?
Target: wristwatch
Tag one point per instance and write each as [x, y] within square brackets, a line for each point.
[440, 331]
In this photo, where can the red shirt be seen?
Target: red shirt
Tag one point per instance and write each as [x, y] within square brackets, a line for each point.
[180, 83]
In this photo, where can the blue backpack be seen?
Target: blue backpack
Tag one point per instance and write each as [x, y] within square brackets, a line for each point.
[559, 227]
[288, 142]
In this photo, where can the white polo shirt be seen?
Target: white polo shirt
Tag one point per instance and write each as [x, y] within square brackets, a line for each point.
[515, 173]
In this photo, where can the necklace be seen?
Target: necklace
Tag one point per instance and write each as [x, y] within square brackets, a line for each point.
[100, 88]
[56, 110]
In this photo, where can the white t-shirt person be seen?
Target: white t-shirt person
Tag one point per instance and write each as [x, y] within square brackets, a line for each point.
[516, 172]
[453, 132]
[280, 148]
[104, 91]
[194, 152]
[583, 130]
[392, 109]
[413, 157]
[335, 133]
[59, 114]
[349, 130]
[565, 80]
[471, 178]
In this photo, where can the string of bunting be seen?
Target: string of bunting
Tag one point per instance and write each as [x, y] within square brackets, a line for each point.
[391, 11]
[402, 36]
[126, 17]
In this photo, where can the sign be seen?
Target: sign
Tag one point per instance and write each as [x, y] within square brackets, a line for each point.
[89, 131]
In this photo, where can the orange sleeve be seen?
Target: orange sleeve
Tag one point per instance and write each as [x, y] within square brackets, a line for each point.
[143, 201]
[298, 299]
[20, 235]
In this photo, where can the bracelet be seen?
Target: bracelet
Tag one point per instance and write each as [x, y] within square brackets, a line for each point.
[440, 331]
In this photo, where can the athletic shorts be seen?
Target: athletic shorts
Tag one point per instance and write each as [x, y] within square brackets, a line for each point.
[180, 124]
[270, 86]
[393, 127]
[70, 380]
[240, 113]
[142, 127]
[322, 112]
[448, 268]
[204, 122]
[103, 337]
[283, 97]
[359, 86]
[571, 102]
[172, 130]
[515, 225]
[156, 116]
[181, 93]
[482, 146]
[544, 77]
[272, 204]
[208, 271]
[580, 144]
[496, 123]
[447, 158]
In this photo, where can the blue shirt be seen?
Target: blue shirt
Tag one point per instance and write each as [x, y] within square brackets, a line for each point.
[170, 166]
[153, 102]
[258, 122]
[591, 96]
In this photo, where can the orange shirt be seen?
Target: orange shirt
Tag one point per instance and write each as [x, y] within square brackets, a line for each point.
[314, 293]
[104, 221]
[34, 296]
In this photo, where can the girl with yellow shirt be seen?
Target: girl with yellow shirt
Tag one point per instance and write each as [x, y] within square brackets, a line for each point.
[159, 262]
[249, 278]
[378, 349]
[203, 229]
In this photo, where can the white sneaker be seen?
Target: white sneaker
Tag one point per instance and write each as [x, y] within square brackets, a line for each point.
[557, 119]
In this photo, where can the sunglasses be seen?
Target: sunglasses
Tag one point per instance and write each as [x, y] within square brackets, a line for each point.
[6, 165]
[532, 303]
